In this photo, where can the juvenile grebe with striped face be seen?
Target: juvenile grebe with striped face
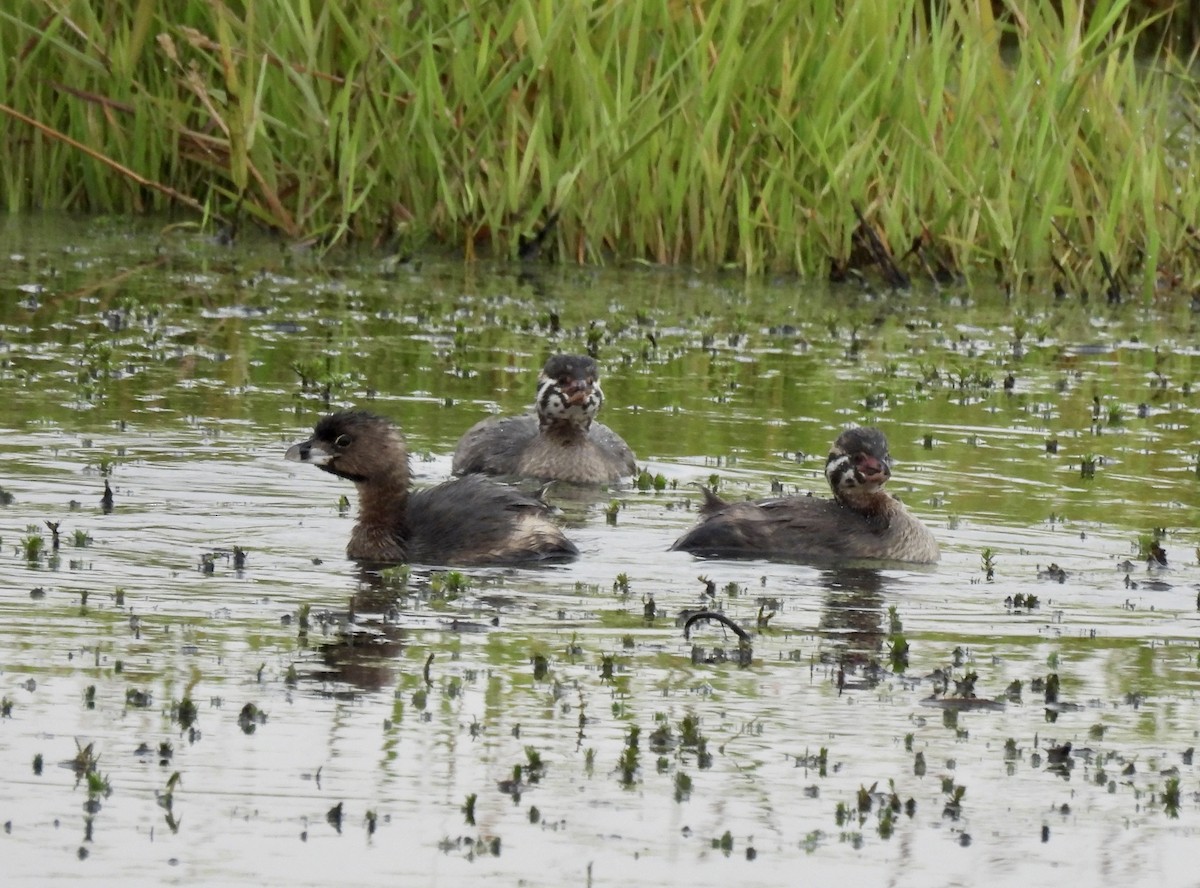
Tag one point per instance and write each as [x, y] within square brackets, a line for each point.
[568, 391]
[461, 522]
[862, 521]
[561, 441]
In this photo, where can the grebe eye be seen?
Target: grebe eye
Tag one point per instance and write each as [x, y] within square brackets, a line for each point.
[342, 442]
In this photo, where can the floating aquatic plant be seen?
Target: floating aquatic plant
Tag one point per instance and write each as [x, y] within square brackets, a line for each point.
[988, 564]
[33, 544]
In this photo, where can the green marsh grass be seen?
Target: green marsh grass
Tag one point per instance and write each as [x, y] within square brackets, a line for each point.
[740, 134]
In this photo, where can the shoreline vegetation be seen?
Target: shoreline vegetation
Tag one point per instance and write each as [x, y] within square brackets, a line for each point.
[896, 140]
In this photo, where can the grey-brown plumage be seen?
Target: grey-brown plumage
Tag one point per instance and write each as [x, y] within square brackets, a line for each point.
[561, 441]
[466, 521]
[861, 521]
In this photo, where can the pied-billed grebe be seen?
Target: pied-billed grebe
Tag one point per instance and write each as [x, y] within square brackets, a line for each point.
[465, 521]
[562, 442]
[861, 521]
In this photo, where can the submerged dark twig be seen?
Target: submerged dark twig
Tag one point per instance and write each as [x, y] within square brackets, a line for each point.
[720, 618]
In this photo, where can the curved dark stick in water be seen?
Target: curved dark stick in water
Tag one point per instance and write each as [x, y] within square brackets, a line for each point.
[720, 618]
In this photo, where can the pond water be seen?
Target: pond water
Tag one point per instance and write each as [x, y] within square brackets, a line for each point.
[327, 725]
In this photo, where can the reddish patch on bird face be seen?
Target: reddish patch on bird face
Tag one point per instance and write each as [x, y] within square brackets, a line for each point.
[577, 391]
[871, 470]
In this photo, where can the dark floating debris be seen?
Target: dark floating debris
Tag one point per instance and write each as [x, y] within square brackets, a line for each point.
[1053, 573]
[963, 698]
[720, 618]
[744, 653]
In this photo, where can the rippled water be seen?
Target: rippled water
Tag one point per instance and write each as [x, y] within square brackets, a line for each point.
[173, 368]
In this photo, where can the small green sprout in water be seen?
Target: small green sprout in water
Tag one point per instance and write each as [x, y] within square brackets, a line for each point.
[185, 712]
[6, 707]
[119, 597]
[606, 667]
[371, 819]
[898, 649]
[841, 814]
[866, 798]
[732, 589]
[55, 541]
[291, 678]
[764, 619]
[908, 742]
[887, 821]
[82, 539]
[988, 559]
[89, 697]
[33, 543]
[894, 624]
[683, 786]
[457, 583]
[37, 765]
[627, 642]
[396, 578]
[541, 665]
[662, 738]
[621, 584]
[1052, 688]
[628, 765]
[1171, 797]
[98, 785]
[1087, 466]
[1150, 548]
[138, 699]
[1096, 731]
[535, 768]
[649, 608]
[85, 759]
[610, 514]
[953, 806]
[468, 810]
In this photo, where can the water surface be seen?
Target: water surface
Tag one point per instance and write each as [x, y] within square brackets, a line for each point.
[179, 371]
